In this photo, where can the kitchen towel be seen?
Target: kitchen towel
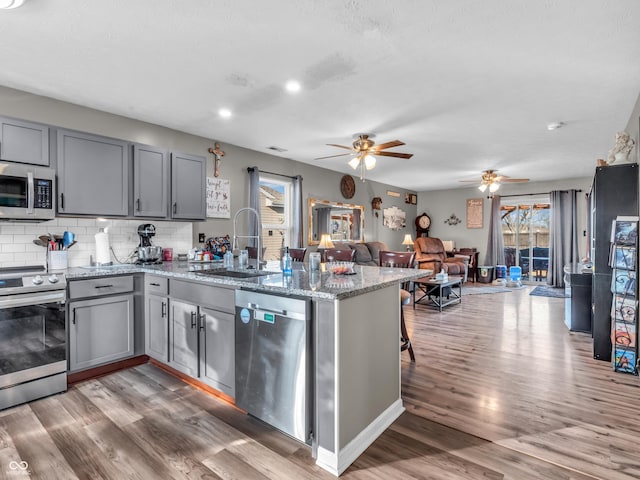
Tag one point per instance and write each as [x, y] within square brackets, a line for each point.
[103, 255]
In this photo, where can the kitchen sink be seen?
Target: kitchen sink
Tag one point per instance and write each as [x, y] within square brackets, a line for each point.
[223, 272]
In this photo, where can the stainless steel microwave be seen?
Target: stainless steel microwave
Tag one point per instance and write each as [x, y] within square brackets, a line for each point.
[27, 193]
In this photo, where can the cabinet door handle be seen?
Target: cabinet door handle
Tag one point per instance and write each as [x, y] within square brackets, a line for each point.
[164, 309]
[103, 286]
[73, 316]
[138, 204]
[202, 318]
[175, 207]
[193, 319]
[62, 201]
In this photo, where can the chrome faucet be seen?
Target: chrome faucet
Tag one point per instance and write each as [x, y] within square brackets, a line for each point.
[257, 237]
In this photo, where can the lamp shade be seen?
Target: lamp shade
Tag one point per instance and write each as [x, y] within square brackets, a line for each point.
[325, 241]
[494, 186]
[482, 187]
[407, 240]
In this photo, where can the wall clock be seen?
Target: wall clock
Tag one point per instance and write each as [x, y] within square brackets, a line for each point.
[423, 222]
[347, 186]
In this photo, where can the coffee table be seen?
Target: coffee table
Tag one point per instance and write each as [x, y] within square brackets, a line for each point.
[438, 293]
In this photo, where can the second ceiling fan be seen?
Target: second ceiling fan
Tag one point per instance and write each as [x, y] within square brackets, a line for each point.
[363, 150]
[490, 179]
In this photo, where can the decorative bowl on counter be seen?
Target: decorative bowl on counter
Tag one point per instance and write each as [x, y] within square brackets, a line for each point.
[340, 268]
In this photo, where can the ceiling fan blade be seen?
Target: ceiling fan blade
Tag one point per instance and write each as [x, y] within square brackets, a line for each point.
[470, 181]
[339, 146]
[514, 180]
[333, 156]
[382, 146]
[393, 154]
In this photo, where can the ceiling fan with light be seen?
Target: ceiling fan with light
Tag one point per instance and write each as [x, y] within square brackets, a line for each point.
[364, 149]
[491, 180]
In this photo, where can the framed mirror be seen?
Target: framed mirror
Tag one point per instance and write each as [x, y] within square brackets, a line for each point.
[343, 221]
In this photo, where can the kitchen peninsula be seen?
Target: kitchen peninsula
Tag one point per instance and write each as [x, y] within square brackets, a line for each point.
[356, 349]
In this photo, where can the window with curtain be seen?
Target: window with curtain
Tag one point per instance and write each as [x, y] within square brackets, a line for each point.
[276, 212]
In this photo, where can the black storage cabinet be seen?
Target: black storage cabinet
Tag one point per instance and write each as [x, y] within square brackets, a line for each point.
[614, 192]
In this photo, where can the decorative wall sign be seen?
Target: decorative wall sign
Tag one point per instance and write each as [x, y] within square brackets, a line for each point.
[218, 198]
[394, 218]
[452, 220]
[411, 198]
[474, 212]
[391, 193]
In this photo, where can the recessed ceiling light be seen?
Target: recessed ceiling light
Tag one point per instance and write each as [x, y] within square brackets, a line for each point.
[555, 126]
[224, 112]
[8, 4]
[293, 86]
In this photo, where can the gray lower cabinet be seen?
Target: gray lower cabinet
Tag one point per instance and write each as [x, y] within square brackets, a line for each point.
[150, 181]
[188, 176]
[101, 321]
[100, 331]
[183, 349]
[157, 328]
[217, 349]
[202, 335]
[93, 174]
[24, 142]
[156, 291]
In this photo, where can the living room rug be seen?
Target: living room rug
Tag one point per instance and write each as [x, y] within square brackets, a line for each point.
[477, 290]
[546, 291]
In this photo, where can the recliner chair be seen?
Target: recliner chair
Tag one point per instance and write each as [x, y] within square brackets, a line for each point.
[430, 254]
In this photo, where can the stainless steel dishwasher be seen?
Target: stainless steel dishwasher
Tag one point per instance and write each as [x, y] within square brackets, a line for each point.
[274, 361]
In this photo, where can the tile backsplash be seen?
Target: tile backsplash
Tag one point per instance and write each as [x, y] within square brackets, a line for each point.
[17, 247]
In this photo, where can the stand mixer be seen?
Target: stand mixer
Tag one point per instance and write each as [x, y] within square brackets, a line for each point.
[147, 252]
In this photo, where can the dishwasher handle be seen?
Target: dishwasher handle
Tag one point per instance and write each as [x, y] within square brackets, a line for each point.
[255, 306]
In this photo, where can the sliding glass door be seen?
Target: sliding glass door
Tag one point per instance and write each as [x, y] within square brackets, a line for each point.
[525, 232]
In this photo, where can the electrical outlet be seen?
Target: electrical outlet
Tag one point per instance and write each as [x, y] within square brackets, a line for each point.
[201, 238]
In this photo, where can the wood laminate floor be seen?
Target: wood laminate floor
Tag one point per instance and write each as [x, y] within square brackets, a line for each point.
[499, 390]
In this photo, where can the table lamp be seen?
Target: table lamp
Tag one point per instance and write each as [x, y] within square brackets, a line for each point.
[408, 241]
[325, 242]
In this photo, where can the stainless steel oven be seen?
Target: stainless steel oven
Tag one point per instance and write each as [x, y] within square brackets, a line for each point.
[33, 335]
[27, 193]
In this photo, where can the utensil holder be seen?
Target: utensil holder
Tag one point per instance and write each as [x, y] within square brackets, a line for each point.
[58, 260]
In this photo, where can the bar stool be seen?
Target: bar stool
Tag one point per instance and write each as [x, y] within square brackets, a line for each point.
[401, 260]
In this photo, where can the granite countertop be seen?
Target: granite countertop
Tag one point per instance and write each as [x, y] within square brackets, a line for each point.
[304, 283]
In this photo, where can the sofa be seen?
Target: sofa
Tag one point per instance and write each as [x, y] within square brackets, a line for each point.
[430, 254]
[367, 253]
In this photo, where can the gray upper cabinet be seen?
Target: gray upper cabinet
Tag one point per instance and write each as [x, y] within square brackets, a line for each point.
[93, 174]
[150, 181]
[24, 142]
[188, 186]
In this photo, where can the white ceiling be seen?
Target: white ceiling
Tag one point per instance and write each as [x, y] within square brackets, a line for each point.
[467, 85]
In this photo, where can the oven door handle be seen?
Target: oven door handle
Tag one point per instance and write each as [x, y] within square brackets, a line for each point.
[25, 300]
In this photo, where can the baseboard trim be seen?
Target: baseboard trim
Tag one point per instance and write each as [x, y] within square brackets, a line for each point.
[105, 369]
[336, 464]
[195, 383]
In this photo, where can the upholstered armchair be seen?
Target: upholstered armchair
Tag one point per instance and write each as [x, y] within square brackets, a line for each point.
[430, 255]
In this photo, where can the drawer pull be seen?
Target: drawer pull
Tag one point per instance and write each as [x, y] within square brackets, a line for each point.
[103, 286]
[154, 284]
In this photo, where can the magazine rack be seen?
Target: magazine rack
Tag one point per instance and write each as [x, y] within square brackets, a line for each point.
[624, 321]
